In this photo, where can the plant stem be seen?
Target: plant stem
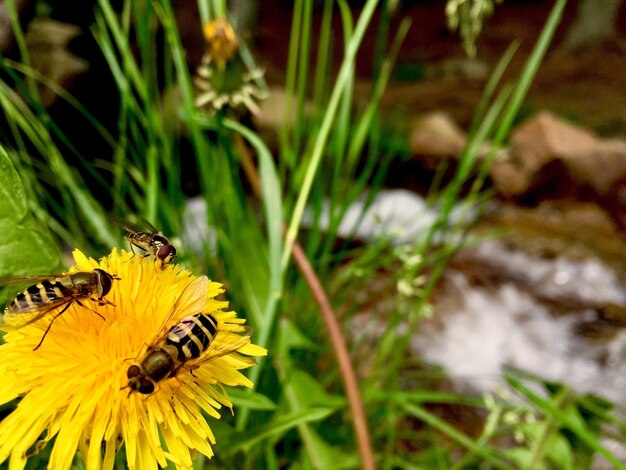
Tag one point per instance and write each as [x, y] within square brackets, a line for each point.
[330, 320]
[343, 357]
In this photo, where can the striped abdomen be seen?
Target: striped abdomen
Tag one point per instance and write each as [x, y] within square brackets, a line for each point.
[192, 335]
[43, 294]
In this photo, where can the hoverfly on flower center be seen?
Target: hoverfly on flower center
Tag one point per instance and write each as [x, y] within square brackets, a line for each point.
[190, 339]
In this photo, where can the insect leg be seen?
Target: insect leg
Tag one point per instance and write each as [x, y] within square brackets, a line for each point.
[129, 358]
[91, 310]
[180, 384]
[50, 324]
[103, 302]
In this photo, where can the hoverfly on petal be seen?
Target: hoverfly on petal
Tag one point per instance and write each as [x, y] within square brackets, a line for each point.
[49, 293]
[148, 239]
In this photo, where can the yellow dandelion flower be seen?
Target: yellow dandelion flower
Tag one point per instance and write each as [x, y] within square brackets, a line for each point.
[221, 40]
[74, 388]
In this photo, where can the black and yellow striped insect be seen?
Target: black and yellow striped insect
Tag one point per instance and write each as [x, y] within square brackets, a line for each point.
[185, 345]
[148, 239]
[192, 335]
[53, 292]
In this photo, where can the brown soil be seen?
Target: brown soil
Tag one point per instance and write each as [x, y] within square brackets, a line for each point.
[586, 86]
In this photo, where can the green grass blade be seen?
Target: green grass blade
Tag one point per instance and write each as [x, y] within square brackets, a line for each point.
[250, 438]
[565, 419]
[322, 136]
[529, 71]
[488, 454]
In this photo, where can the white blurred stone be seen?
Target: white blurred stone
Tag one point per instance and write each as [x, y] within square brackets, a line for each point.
[397, 214]
[197, 235]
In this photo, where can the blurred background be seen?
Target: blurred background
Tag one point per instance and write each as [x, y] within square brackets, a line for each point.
[454, 173]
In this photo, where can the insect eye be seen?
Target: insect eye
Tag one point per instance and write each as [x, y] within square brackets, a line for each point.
[133, 372]
[146, 387]
[106, 281]
[165, 252]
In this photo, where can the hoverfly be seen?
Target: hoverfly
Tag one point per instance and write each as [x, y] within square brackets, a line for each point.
[191, 338]
[54, 291]
[152, 241]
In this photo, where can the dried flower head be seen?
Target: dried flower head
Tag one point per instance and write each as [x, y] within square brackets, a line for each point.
[222, 41]
[223, 81]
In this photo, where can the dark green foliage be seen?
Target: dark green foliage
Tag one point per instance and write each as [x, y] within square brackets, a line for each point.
[26, 247]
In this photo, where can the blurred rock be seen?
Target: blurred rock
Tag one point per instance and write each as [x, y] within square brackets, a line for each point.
[276, 111]
[544, 137]
[614, 202]
[602, 166]
[577, 231]
[549, 149]
[47, 42]
[25, 10]
[436, 134]
[458, 68]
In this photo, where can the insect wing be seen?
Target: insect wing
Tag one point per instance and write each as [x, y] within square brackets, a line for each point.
[17, 280]
[33, 313]
[26, 317]
[125, 224]
[149, 226]
[133, 227]
[191, 301]
[232, 343]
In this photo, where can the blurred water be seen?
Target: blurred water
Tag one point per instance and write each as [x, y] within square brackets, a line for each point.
[495, 327]
[513, 322]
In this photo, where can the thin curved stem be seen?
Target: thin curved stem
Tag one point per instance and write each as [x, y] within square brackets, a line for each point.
[337, 338]
[343, 357]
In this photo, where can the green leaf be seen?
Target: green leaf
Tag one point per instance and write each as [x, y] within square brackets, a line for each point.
[243, 441]
[560, 453]
[13, 202]
[310, 392]
[250, 399]
[329, 456]
[290, 337]
[522, 456]
[26, 247]
[487, 453]
[421, 396]
[568, 420]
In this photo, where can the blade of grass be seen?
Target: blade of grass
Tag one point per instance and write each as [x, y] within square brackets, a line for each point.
[61, 93]
[343, 358]
[550, 409]
[120, 40]
[20, 40]
[488, 454]
[529, 71]
[329, 317]
[247, 440]
[491, 85]
[287, 143]
[548, 428]
[322, 136]
[324, 51]
[41, 138]
[302, 77]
